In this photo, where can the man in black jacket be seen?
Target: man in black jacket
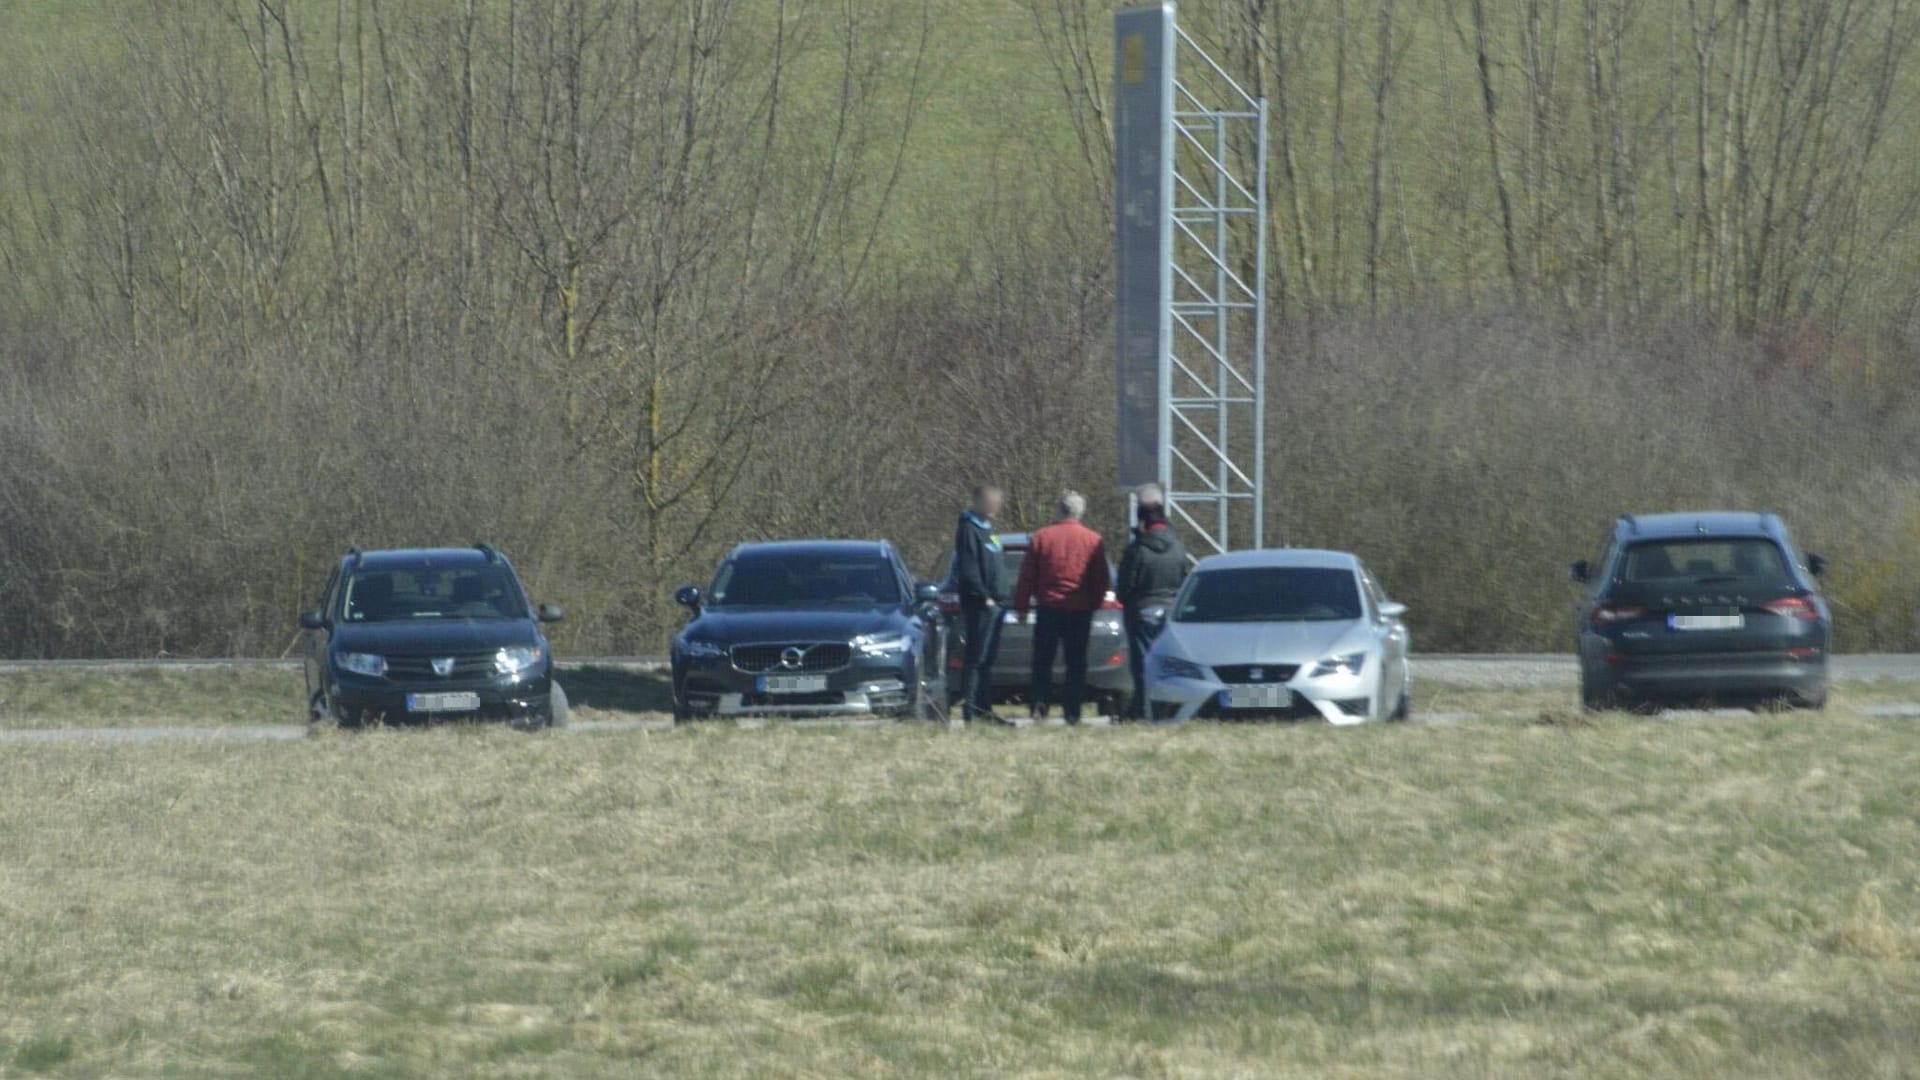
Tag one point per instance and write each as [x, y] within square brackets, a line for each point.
[1151, 571]
[980, 576]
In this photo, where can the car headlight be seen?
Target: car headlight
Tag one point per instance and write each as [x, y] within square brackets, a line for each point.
[1350, 664]
[1174, 667]
[361, 663]
[696, 649]
[881, 644]
[517, 658]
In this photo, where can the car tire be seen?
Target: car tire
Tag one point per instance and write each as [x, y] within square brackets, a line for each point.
[1814, 702]
[1593, 700]
[1403, 709]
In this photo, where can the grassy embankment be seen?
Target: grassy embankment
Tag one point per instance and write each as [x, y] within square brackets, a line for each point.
[1503, 898]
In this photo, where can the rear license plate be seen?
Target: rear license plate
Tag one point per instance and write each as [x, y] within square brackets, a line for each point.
[1256, 697]
[792, 684]
[1707, 622]
[458, 702]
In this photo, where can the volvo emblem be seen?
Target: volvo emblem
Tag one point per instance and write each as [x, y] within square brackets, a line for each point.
[1256, 674]
[443, 666]
[792, 656]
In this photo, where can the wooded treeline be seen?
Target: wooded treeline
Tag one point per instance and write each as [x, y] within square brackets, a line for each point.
[618, 283]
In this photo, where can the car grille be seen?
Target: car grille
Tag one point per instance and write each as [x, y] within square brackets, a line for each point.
[465, 666]
[821, 656]
[1243, 673]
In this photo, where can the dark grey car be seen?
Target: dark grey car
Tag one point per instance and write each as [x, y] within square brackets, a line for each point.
[1108, 680]
[1702, 607]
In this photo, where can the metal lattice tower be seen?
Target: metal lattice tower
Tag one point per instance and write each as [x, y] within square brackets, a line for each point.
[1210, 169]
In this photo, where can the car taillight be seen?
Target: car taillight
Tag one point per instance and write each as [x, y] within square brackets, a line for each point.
[1793, 607]
[949, 603]
[1111, 602]
[1614, 614]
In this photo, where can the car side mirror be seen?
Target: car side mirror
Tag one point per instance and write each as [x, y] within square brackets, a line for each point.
[550, 613]
[1816, 564]
[926, 592]
[688, 597]
[1154, 615]
[312, 620]
[1583, 571]
[1391, 610]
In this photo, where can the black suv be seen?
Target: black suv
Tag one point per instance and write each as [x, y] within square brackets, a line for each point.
[811, 628]
[430, 634]
[1702, 608]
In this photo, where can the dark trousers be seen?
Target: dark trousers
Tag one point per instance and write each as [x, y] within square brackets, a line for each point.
[981, 626]
[1140, 635]
[1055, 630]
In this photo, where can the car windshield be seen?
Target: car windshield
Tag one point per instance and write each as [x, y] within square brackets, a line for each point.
[432, 592]
[802, 581]
[1269, 594]
[1703, 561]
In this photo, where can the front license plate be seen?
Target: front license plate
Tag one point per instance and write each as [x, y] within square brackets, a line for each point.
[1256, 697]
[461, 702]
[1707, 622]
[792, 684]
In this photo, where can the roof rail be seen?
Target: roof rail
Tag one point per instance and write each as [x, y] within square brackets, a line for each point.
[1631, 524]
[356, 555]
[487, 550]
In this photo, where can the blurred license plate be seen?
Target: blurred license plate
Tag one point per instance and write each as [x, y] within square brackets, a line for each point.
[1707, 622]
[467, 702]
[792, 684]
[1256, 697]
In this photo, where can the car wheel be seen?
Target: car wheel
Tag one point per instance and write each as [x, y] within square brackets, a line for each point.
[1593, 699]
[1811, 702]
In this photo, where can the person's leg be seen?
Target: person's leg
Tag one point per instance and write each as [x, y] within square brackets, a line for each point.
[1046, 642]
[1075, 628]
[1137, 643]
[974, 628]
[982, 692]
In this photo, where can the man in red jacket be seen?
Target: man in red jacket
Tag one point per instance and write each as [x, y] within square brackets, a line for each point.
[1065, 577]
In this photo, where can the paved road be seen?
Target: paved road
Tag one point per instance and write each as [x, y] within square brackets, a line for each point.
[1512, 671]
[1497, 670]
[1516, 671]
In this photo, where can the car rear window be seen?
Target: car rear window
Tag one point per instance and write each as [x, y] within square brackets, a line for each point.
[1703, 559]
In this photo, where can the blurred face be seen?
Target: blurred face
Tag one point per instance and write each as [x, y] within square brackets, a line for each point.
[988, 504]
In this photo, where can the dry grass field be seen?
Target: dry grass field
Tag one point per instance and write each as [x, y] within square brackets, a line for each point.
[1512, 898]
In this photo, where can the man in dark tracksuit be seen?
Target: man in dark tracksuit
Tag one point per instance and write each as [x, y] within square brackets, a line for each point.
[1151, 571]
[980, 576]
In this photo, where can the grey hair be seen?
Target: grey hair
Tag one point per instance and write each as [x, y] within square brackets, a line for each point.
[1150, 495]
[1072, 504]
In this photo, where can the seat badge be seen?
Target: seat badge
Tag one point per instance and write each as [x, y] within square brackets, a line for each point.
[443, 666]
[1256, 674]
